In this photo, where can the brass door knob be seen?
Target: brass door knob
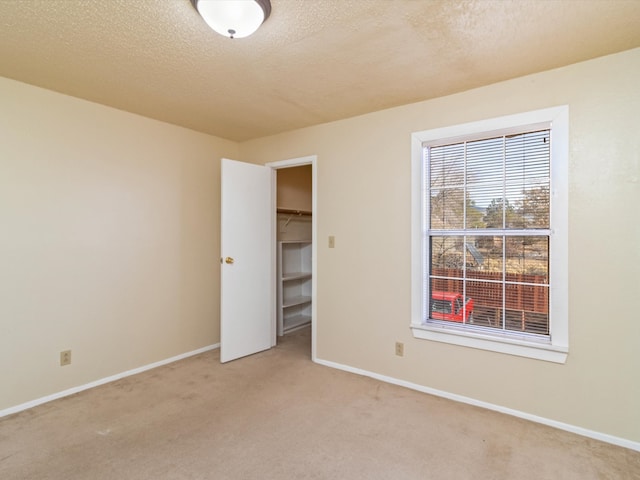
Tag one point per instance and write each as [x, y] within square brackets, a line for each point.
[228, 260]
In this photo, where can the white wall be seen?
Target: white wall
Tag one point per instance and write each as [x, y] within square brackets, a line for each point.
[109, 241]
[364, 171]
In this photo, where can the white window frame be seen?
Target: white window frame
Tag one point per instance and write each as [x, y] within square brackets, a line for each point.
[556, 347]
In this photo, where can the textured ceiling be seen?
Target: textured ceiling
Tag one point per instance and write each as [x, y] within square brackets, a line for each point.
[313, 61]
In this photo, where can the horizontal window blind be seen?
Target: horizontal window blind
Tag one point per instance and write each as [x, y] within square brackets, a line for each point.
[487, 238]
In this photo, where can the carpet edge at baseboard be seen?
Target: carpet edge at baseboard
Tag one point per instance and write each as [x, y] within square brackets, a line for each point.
[585, 432]
[102, 381]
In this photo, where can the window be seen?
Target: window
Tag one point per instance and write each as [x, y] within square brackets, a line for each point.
[489, 241]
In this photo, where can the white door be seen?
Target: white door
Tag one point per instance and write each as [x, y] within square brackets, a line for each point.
[247, 277]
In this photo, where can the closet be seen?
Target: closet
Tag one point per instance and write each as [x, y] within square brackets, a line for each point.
[294, 233]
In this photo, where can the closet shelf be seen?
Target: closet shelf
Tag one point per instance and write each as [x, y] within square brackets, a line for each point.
[296, 276]
[290, 211]
[294, 284]
[293, 301]
[297, 321]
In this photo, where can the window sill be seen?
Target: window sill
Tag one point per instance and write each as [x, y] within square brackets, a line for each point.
[510, 346]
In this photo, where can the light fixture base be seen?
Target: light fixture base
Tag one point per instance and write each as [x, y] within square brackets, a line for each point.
[233, 18]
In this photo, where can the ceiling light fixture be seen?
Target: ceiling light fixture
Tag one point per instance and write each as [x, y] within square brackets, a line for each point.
[233, 18]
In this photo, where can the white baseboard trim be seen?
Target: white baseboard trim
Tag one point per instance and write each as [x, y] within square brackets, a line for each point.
[604, 437]
[102, 381]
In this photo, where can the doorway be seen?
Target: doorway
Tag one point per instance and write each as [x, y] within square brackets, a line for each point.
[294, 209]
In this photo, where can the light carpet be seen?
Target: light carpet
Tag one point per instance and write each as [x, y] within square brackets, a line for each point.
[277, 415]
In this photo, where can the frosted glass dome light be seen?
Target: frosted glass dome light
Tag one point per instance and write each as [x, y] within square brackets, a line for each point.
[233, 18]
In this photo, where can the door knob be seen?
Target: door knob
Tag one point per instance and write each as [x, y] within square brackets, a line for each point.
[228, 260]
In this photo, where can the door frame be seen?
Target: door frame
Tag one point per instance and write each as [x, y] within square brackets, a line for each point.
[296, 162]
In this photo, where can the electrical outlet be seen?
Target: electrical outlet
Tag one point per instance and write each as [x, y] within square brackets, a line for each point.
[332, 241]
[399, 349]
[65, 358]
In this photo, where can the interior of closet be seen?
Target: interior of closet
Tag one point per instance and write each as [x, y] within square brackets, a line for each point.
[294, 234]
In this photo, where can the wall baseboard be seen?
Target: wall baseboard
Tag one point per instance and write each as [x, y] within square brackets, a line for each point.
[102, 381]
[604, 437]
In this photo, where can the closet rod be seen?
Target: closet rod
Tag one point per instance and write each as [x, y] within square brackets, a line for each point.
[293, 212]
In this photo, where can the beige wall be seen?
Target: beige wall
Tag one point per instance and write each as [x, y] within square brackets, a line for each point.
[109, 244]
[294, 188]
[364, 283]
[293, 192]
[109, 241]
